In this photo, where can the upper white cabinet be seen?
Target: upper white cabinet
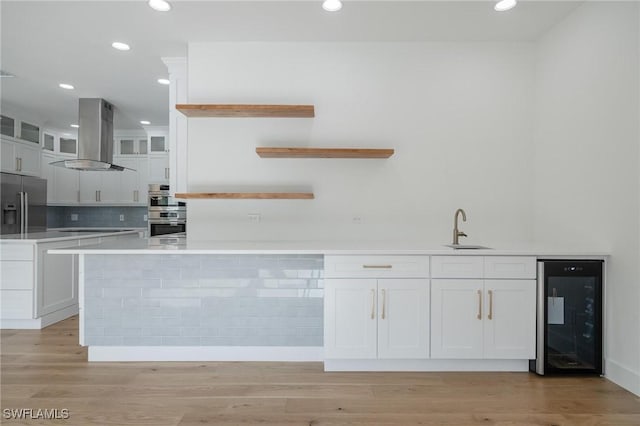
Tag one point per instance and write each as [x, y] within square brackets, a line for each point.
[132, 146]
[20, 158]
[158, 144]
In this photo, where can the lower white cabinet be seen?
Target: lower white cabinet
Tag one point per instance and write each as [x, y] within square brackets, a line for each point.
[376, 318]
[483, 319]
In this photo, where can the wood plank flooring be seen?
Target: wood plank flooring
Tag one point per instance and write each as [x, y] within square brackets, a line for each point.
[48, 369]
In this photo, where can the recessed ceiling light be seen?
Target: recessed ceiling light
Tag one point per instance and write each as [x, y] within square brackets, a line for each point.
[164, 81]
[332, 5]
[120, 46]
[75, 126]
[145, 122]
[160, 5]
[505, 5]
[66, 86]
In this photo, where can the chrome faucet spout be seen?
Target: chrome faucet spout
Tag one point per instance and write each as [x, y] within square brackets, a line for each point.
[456, 232]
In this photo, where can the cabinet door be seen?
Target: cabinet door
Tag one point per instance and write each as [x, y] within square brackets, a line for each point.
[159, 169]
[30, 158]
[403, 319]
[143, 180]
[67, 185]
[8, 161]
[456, 318]
[49, 173]
[110, 188]
[158, 144]
[129, 188]
[90, 183]
[350, 319]
[510, 319]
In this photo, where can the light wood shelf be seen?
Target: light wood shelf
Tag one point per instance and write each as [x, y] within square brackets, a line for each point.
[271, 152]
[246, 195]
[245, 110]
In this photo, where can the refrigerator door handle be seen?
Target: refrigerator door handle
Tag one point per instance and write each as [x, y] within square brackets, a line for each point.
[21, 212]
[26, 212]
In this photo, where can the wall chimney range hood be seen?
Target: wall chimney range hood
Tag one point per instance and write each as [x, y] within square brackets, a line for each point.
[95, 138]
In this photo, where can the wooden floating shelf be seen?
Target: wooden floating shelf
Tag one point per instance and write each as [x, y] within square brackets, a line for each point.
[238, 110]
[270, 152]
[247, 195]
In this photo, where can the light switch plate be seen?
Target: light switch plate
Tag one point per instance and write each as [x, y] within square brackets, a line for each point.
[74, 217]
[121, 218]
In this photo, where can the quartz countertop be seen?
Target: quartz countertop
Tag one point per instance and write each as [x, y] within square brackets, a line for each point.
[182, 245]
[62, 234]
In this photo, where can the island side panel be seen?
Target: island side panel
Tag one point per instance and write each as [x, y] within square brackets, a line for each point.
[151, 300]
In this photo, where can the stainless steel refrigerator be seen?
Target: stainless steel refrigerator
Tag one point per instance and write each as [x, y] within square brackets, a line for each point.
[24, 204]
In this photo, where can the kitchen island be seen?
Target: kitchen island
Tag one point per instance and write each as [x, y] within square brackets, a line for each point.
[38, 289]
[357, 306]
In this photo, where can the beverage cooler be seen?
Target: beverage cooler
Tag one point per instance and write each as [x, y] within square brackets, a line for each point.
[569, 328]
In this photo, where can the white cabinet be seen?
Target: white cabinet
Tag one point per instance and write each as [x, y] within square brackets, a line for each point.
[132, 146]
[20, 158]
[477, 318]
[158, 144]
[49, 173]
[67, 185]
[159, 168]
[99, 187]
[134, 181]
[376, 319]
[376, 307]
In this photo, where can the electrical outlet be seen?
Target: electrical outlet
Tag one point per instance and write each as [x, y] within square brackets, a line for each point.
[121, 218]
[145, 218]
[254, 217]
[357, 220]
[74, 217]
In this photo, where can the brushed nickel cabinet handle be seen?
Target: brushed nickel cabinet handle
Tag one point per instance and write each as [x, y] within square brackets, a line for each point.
[490, 316]
[373, 304]
[384, 302]
[78, 194]
[97, 198]
[479, 304]
[377, 266]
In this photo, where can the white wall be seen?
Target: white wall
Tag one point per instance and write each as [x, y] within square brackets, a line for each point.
[587, 170]
[458, 115]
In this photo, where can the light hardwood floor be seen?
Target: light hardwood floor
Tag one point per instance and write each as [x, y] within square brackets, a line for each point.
[47, 369]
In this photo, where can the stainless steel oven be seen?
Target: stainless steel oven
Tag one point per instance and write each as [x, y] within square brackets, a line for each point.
[166, 214]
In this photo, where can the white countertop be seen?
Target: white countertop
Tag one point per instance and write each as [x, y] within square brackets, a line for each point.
[176, 245]
[59, 234]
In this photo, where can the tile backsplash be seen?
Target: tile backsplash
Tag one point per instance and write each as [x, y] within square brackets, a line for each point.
[96, 216]
[204, 300]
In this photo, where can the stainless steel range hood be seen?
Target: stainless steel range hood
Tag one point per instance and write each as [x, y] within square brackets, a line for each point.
[95, 138]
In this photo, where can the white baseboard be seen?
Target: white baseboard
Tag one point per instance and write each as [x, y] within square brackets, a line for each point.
[39, 323]
[20, 324]
[622, 376]
[205, 353]
[426, 365]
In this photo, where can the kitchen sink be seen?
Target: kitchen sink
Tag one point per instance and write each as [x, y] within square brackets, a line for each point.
[467, 247]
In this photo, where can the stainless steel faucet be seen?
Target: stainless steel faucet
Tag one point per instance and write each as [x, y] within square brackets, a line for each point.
[456, 232]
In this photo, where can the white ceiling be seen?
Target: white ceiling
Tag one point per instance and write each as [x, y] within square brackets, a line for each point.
[48, 42]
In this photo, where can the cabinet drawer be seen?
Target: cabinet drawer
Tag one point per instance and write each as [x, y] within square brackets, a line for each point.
[376, 266]
[16, 275]
[16, 304]
[510, 267]
[457, 266]
[16, 251]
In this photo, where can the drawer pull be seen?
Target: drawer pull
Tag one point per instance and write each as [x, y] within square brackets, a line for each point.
[479, 304]
[377, 266]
